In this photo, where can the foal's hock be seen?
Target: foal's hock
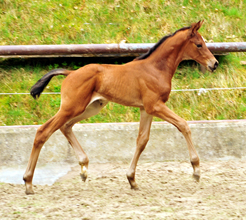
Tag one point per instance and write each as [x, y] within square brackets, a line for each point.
[144, 82]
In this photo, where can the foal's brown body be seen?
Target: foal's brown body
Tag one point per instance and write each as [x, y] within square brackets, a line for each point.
[144, 83]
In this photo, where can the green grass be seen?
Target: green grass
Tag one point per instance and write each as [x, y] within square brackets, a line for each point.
[110, 21]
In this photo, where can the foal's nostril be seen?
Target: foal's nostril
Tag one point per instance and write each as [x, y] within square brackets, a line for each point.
[216, 65]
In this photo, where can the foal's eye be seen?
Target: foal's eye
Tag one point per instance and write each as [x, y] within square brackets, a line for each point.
[199, 46]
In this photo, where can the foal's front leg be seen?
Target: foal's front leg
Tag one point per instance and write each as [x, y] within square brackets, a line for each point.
[162, 111]
[142, 140]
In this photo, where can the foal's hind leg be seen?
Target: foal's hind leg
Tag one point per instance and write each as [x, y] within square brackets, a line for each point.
[83, 159]
[93, 108]
[142, 140]
[42, 135]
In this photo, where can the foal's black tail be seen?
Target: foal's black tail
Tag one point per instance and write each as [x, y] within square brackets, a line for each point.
[39, 86]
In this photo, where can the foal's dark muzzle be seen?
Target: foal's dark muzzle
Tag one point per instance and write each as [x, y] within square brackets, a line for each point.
[214, 66]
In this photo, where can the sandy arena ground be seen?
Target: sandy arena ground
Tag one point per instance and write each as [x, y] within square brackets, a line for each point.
[167, 191]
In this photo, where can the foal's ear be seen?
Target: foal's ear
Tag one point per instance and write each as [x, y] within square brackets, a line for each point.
[199, 24]
[195, 27]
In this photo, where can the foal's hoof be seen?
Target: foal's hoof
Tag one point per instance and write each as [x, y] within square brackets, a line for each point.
[29, 192]
[196, 177]
[135, 188]
[83, 176]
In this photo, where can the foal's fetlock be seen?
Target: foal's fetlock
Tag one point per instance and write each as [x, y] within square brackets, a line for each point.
[131, 179]
[28, 184]
[83, 173]
[132, 182]
[196, 167]
[83, 176]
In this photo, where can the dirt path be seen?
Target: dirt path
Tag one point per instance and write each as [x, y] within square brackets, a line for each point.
[167, 191]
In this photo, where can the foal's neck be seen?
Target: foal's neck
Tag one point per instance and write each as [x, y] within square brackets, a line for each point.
[170, 53]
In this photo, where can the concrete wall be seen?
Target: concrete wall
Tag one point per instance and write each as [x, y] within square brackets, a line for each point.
[116, 142]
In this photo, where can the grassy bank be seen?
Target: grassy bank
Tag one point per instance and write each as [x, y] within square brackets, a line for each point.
[63, 22]
[110, 21]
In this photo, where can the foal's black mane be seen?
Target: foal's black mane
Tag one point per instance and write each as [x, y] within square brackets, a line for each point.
[151, 50]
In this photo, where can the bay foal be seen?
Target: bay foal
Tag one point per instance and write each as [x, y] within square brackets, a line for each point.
[145, 83]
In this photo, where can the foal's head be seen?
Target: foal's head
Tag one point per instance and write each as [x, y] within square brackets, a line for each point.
[197, 50]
